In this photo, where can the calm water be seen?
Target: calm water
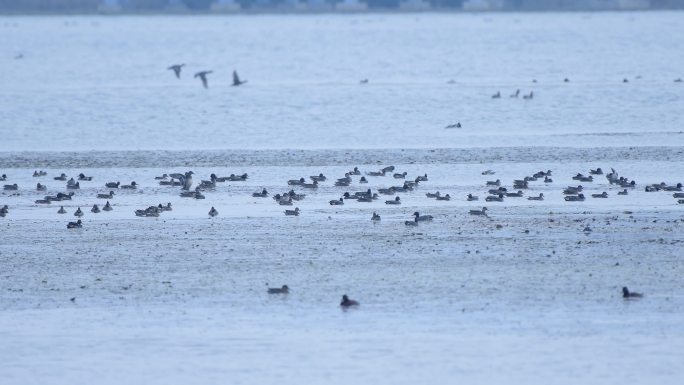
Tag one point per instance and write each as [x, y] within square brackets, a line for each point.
[522, 296]
[101, 82]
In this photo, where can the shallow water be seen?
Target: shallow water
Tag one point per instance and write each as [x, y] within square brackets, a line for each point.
[521, 296]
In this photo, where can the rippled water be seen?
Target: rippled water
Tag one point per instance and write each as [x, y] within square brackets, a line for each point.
[522, 296]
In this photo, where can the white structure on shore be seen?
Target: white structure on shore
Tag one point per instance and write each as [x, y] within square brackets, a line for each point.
[351, 6]
[225, 6]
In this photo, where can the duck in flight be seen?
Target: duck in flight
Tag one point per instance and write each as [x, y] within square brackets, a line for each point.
[203, 76]
[236, 80]
[176, 69]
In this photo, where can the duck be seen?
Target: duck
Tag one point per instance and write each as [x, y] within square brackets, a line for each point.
[165, 208]
[238, 178]
[411, 223]
[482, 212]
[497, 95]
[262, 194]
[446, 197]
[488, 172]
[74, 186]
[355, 171]
[376, 173]
[471, 198]
[623, 192]
[396, 201]
[296, 182]
[343, 183]
[454, 125]
[388, 169]
[208, 184]
[61, 210]
[11, 187]
[176, 69]
[279, 290]
[39, 173]
[107, 207]
[375, 217]
[203, 76]
[84, 178]
[529, 96]
[337, 202]
[400, 175]
[575, 198]
[432, 195]
[285, 201]
[64, 197]
[310, 185]
[318, 178]
[537, 198]
[387, 191]
[548, 180]
[518, 194]
[106, 196]
[199, 195]
[95, 209]
[626, 294]
[75, 225]
[676, 195]
[520, 184]
[78, 213]
[677, 187]
[423, 178]
[515, 94]
[43, 201]
[236, 80]
[363, 180]
[213, 212]
[601, 195]
[112, 184]
[294, 212]
[598, 171]
[495, 198]
[162, 177]
[368, 198]
[61, 177]
[41, 187]
[422, 218]
[570, 190]
[190, 194]
[494, 182]
[186, 180]
[131, 186]
[346, 302]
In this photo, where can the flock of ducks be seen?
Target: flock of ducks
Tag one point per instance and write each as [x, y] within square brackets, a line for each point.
[185, 182]
[202, 75]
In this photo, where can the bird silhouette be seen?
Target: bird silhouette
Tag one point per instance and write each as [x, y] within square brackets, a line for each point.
[236, 79]
[203, 75]
[176, 69]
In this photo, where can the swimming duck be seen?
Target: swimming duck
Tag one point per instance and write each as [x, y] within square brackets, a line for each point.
[310, 185]
[677, 187]
[388, 169]
[165, 208]
[355, 171]
[537, 198]
[376, 173]
[482, 212]
[676, 195]
[497, 95]
[497, 191]
[64, 197]
[566, 80]
[422, 218]
[548, 180]
[626, 294]
[368, 198]
[602, 195]
[495, 198]
[285, 201]
[472, 197]
[75, 225]
[208, 184]
[39, 173]
[41, 187]
[107, 207]
[106, 196]
[375, 217]
[199, 195]
[432, 195]
[112, 184]
[387, 191]
[488, 172]
[494, 182]
[318, 178]
[279, 290]
[570, 190]
[186, 180]
[262, 194]
[11, 187]
[61, 210]
[95, 209]
[575, 198]
[623, 192]
[43, 201]
[237, 178]
[343, 183]
[454, 125]
[529, 96]
[443, 198]
[423, 178]
[213, 212]
[296, 182]
[294, 212]
[411, 223]
[396, 201]
[516, 94]
[78, 213]
[62, 177]
[163, 177]
[598, 171]
[131, 186]
[400, 175]
[82, 177]
[346, 302]
[518, 194]
[75, 186]
[337, 202]
[520, 184]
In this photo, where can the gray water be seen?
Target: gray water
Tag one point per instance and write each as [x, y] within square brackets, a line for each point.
[523, 296]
